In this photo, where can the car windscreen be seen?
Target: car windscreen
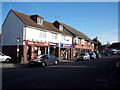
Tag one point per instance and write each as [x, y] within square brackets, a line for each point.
[41, 56]
[91, 53]
[82, 54]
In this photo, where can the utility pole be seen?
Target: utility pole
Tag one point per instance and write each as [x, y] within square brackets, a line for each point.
[97, 44]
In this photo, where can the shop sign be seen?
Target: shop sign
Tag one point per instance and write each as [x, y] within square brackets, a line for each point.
[36, 43]
[66, 45]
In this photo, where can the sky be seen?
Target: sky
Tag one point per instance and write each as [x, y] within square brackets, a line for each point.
[95, 19]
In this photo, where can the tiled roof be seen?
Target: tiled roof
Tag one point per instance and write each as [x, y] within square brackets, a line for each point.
[75, 32]
[26, 19]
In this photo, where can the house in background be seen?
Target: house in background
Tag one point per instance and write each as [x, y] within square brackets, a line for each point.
[115, 46]
[81, 43]
[26, 36]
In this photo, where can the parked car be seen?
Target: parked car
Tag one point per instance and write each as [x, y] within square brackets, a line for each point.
[107, 54]
[83, 56]
[92, 55]
[118, 67]
[118, 52]
[4, 58]
[98, 55]
[44, 60]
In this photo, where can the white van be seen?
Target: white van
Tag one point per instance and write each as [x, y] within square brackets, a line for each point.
[4, 58]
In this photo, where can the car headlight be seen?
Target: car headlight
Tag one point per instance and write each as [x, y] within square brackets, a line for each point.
[38, 61]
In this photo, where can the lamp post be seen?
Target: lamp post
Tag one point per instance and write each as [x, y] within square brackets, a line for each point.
[97, 44]
[54, 49]
[18, 40]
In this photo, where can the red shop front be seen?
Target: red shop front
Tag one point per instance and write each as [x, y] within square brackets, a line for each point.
[34, 48]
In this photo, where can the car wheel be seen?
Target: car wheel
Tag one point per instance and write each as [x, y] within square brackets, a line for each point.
[43, 64]
[56, 62]
[31, 65]
[7, 60]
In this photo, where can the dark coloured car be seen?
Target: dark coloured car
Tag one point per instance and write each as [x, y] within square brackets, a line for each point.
[118, 52]
[98, 55]
[44, 60]
[107, 54]
[92, 55]
[118, 67]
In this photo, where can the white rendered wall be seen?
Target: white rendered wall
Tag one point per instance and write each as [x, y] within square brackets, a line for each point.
[11, 30]
[33, 33]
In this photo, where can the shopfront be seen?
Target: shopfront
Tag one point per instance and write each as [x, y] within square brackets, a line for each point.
[54, 48]
[65, 51]
[76, 52]
[35, 48]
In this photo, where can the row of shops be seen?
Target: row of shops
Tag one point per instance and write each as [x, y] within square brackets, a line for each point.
[62, 51]
[34, 49]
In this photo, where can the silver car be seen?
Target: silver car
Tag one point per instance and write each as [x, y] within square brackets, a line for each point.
[83, 56]
[44, 60]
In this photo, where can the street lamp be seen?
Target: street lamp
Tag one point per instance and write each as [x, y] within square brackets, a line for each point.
[18, 40]
[54, 50]
[97, 44]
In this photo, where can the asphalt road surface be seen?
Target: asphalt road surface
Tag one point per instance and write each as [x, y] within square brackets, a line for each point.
[98, 73]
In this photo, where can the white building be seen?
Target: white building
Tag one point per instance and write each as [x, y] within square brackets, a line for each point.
[33, 33]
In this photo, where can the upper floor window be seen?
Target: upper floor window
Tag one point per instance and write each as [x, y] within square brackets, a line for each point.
[42, 34]
[54, 36]
[92, 44]
[64, 37]
[61, 27]
[88, 44]
[39, 21]
[79, 41]
[76, 40]
[82, 42]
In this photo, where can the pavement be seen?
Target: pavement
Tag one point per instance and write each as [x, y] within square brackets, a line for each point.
[5, 66]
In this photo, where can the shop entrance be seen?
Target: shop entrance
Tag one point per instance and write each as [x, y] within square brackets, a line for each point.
[65, 53]
[28, 53]
[34, 52]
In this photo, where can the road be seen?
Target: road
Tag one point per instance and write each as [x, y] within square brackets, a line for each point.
[98, 73]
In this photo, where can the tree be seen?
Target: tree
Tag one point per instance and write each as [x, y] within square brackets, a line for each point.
[97, 43]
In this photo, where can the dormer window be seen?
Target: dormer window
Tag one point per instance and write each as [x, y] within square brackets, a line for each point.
[40, 21]
[61, 27]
